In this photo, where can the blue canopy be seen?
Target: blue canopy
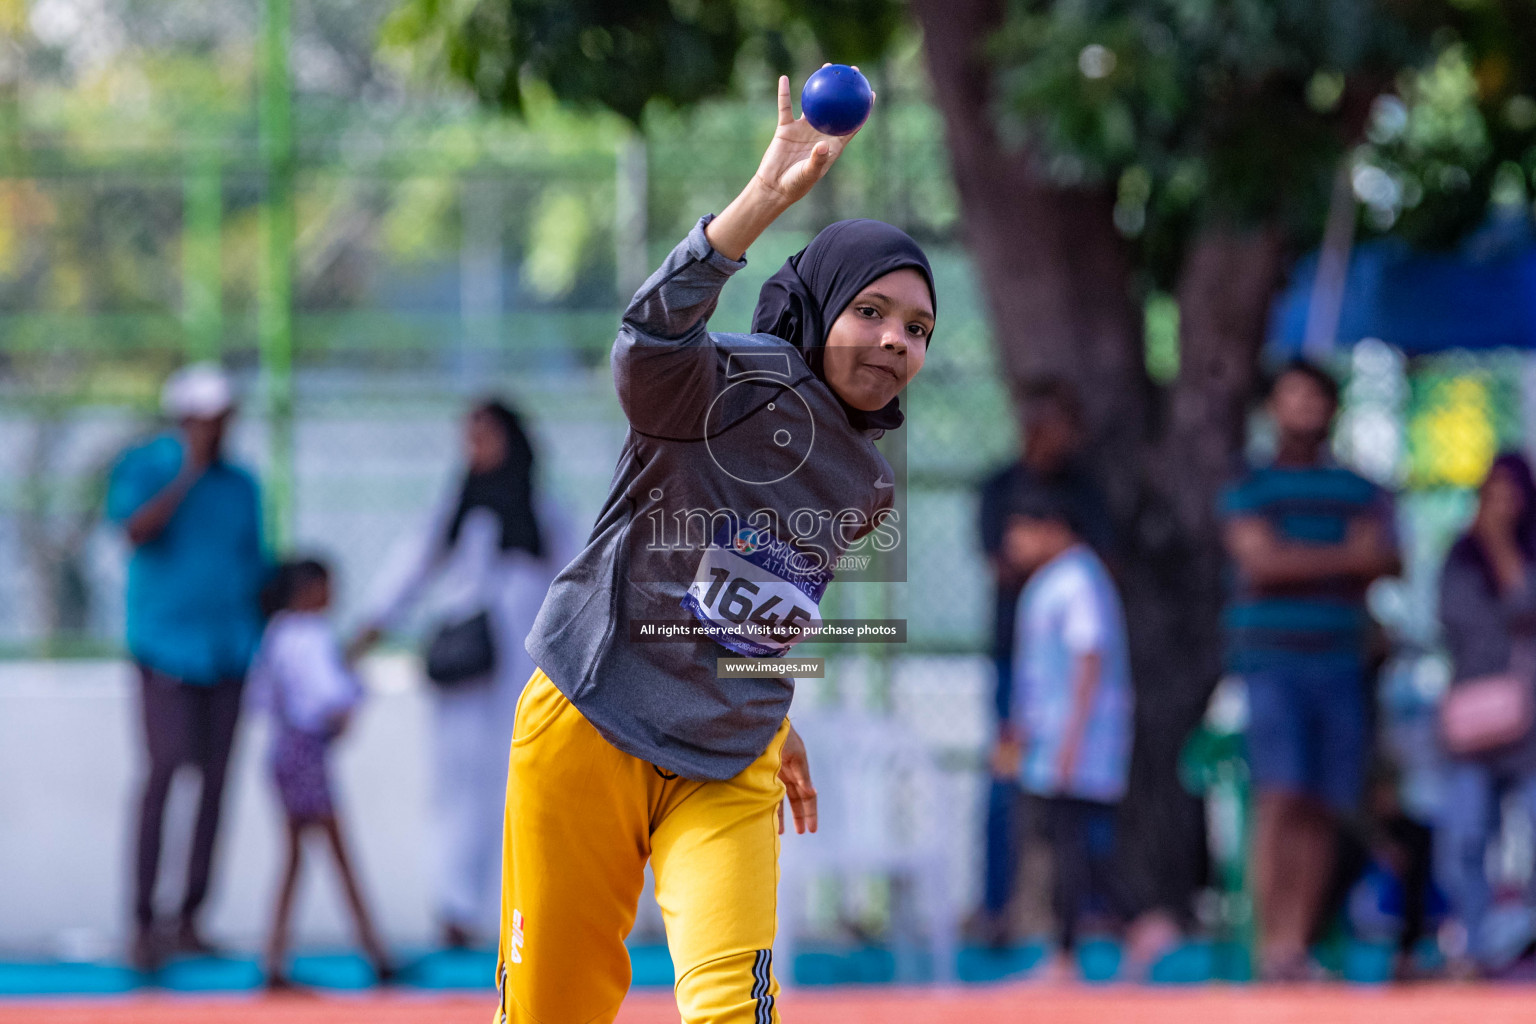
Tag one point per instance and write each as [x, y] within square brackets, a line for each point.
[1480, 296]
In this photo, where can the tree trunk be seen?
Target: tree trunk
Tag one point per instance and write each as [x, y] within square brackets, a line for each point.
[1059, 286]
[1055, 274]
[1173, 578]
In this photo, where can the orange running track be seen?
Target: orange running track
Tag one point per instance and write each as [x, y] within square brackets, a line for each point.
[1427, 1004]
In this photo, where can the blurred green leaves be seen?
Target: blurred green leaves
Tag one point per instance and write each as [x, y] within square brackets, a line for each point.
[561, 229]
[1242, 109]
[621, 56]
[1196, 110]
[1459, 135]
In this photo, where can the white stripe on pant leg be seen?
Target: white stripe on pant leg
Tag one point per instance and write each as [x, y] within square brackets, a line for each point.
[762, 991]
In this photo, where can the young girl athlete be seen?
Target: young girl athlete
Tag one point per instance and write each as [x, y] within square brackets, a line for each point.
[749, 467]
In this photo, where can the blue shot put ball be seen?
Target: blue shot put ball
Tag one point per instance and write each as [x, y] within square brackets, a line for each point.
[836, 100]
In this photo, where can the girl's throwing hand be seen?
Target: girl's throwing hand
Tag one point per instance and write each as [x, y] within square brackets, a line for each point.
[799, 155]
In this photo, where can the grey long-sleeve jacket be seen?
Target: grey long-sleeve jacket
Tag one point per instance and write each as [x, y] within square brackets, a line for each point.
[1481, 629]
[740, 485]
[1480, 626]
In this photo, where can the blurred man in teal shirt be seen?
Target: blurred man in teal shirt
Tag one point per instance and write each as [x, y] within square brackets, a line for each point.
[194, 622]
[1306, 537]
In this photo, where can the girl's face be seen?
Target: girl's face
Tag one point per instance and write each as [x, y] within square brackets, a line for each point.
[1501, 503]
[878, 343]
[313, 596]
[1029, 543]
[1301, 408]
[484, 443]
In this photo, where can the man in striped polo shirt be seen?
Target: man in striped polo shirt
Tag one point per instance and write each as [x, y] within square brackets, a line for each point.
[1307, 537]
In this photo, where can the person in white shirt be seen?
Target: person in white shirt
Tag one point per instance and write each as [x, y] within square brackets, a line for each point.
[488, 552]
[1072, 709]
[302, 680]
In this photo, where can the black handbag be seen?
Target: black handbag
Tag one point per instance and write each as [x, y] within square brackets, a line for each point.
[461, 651]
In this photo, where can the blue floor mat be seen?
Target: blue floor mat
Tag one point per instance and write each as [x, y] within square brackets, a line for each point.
[468, 970]
[43, 979]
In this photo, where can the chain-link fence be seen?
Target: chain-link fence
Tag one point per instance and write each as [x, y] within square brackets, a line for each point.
[422, 280]
[444, 257]
[412, 294]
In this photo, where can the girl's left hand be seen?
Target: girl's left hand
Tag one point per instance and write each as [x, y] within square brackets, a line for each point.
[1006, 758]
[1066, 760]
[362, 643]
[795, 771]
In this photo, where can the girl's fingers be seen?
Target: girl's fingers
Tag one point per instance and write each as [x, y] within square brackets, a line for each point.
[786, 111]
[795, 770]
[805, 812]
[802, 800]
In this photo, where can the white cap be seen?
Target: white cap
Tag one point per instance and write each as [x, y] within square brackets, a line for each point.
[197, 391]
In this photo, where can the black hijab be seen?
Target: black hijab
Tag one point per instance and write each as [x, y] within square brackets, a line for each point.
[811, 290]
[1468, 549]
[506, 490]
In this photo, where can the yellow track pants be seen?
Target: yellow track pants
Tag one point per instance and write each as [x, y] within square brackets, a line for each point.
[582, 819]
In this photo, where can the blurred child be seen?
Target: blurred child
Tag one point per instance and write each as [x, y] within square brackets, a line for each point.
[303, 681]
[1072, 710]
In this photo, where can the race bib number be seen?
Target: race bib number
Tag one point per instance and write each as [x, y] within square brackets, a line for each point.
[756, 593]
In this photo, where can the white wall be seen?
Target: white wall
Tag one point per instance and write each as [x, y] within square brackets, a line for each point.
[71, 758]
[71, 761]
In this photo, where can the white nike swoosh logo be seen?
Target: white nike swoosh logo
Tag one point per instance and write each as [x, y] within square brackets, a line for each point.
[883, 483]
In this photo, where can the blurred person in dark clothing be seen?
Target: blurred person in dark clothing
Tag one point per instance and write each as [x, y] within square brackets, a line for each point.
[1052, 426]
[194, 623]
[1389, 847]
[1391, 853]
[1488, 617]
[1307, 537]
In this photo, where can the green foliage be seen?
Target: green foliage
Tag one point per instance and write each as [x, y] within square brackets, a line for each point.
[1198, 109]
[1162, 334]
[561, 231]
[1109, 83]
[1242, 109]
[620, 56]
[1460, 134]
[1424, 149]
